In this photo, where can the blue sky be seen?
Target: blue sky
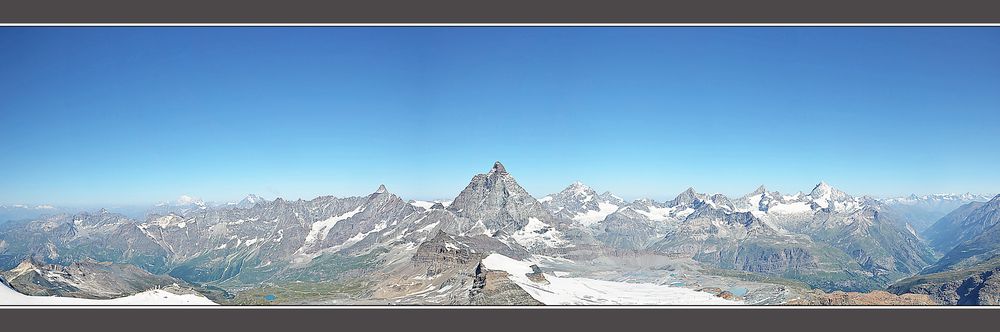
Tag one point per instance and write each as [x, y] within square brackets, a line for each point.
[115, 115]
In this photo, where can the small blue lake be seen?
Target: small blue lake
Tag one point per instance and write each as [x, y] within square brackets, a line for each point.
[270, 297]
[739, 291]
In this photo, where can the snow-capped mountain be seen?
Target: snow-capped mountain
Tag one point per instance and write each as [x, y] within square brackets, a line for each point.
[580, 203]
[923, 211]
[501, 205]
[935, 200]
[424, 250]
[249, 201]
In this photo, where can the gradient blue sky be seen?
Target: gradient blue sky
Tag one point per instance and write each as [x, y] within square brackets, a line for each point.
[113, 115]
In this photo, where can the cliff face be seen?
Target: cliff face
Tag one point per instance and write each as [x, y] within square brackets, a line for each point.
[969, 287]
[495, 288]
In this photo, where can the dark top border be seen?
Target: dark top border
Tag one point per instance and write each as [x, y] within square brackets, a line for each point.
[500, 11]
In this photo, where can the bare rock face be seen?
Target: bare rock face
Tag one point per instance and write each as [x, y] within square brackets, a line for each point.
[447, 248]
[711, 290]
[855, 298]
[495, 288]
[536, 275]
[727, 295]
[955, 287]
[496, 200]
[86, 279]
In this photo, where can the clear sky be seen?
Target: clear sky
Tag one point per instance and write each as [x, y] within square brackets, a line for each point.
[115, 115]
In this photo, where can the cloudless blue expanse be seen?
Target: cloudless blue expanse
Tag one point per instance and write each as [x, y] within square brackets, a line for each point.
[93, 115]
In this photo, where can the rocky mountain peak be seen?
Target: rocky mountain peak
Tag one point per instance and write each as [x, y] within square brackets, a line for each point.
[578, 188]
[499, 202]
[250, 201]
[381, 189]
[821, 188]
[687, 197]
[759, 191]
[498, 168]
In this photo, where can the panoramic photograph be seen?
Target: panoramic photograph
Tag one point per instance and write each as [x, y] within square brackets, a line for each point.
[481, 166]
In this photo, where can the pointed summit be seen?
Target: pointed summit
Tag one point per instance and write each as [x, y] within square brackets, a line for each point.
[250, 201]
[381, 189]
[578, 188]
[499, 202]
[686, 197]
[498, 168]
[821, 189]
[760, 190]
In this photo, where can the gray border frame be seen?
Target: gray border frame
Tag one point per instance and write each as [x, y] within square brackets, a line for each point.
[497, 11]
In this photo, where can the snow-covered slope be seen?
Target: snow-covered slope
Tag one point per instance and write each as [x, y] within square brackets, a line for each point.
[584, 291]
[580, 203]
[151, 297]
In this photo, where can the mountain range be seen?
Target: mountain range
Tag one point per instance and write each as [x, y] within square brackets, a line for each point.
[765, 247]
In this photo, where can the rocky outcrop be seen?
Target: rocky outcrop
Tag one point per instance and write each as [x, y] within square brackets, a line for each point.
[447, 248]
[874, 298]
[495, 288]
[88, 279]
[980, 287]
[773, 260]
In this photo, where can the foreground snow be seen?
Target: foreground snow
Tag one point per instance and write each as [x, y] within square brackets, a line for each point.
[151, 297]
[584, 291]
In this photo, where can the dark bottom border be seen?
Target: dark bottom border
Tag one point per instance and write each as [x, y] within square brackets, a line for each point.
[509, 320]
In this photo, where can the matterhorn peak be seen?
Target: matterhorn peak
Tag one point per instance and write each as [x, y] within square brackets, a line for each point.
[498, 168]
[381, 189]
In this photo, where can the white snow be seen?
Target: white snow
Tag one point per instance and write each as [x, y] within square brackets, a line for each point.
[423, 204]
[428, 227]
[320, 228]
[684, 213]
[545, 199]
[656, 213]
[151, 297]
[591, 217]
[792, 208]
[537, 233]
[585, 291]
[754, 201]
[168, 220]
[426, 205]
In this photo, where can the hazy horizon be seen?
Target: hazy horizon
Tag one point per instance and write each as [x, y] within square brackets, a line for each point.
[142, 115]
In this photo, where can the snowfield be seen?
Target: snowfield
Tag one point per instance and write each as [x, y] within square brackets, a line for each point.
[591, 217]
[584, 291]
[151, 297]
